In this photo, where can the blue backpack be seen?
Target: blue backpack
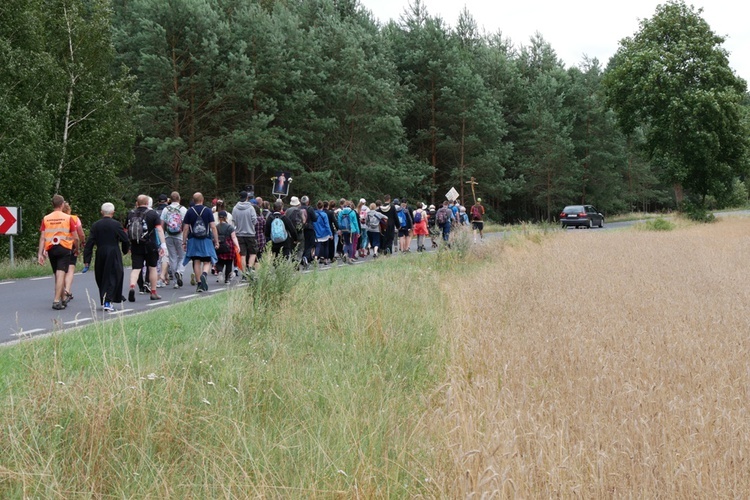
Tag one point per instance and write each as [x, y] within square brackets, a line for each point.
[278, 230]
[401, 217]
[345, 223]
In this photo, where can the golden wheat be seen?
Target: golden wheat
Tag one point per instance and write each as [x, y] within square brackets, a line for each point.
[602, 364]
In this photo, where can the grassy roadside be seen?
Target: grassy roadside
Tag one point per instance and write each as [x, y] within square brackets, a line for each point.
[318, 396]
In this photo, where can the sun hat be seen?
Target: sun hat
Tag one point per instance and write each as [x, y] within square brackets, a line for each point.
[294, 202]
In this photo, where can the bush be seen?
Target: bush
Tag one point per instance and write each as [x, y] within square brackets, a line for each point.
[659, 224]
[272, 281]
[697, 212]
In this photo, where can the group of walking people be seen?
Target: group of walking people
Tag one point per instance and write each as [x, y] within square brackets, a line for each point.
[164, 238]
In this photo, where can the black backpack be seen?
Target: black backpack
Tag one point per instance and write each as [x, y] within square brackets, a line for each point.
[137, 228]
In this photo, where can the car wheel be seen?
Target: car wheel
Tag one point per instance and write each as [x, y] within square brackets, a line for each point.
[591, 223]
[601, 223]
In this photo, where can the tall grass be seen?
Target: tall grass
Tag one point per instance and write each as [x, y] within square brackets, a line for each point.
[601, 365]
[320, 398]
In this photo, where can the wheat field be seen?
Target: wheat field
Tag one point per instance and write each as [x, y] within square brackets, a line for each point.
[600, 364]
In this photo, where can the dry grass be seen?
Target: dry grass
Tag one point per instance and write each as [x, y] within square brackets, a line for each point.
[601, 365]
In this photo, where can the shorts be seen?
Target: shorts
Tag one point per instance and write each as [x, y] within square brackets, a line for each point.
[73, 259]
[248, 245]
[59, 258]
[403, 232]
[150, 259]
[478, 225]
[201, 259]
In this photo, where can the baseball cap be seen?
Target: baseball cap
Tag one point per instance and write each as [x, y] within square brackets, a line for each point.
[163, 197]
[223, 214]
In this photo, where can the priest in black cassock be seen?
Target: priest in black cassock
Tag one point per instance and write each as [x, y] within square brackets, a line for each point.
[109, 237]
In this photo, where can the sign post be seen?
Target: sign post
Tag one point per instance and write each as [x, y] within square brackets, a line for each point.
[10, 224]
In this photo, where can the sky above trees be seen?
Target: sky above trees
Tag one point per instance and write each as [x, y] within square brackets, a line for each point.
[581, 27]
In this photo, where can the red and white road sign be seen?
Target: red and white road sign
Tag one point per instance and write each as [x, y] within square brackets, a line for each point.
[9, 220]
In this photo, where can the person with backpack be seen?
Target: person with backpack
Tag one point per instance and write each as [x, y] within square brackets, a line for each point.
[171, 218]
[477, 219]
[308, 231]
[323, 234]
[432, 225]
[227, 245]
[347, 222]
[389, 228]
[298, 217]
[444, 218]
[245, 221]
[147, 244]
[373, 228]
[420, 226]
[405, 221]
[362, 247]
[329, 208]
[281, 232]
[200, 239]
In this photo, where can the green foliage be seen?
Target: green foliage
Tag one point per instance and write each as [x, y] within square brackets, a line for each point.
[659, 224]
[697, 211]
[673, 79]
[271, 282]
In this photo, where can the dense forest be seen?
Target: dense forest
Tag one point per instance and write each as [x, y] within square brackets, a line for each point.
[103, 99]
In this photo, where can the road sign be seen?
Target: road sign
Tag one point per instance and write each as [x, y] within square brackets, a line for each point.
[452, 194]
[9, 220]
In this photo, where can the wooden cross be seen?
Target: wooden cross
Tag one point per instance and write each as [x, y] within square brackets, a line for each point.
[473, 193]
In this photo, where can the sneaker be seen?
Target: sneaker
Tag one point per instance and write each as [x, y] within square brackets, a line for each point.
[199, 289]
[192, 279]
[178, 276]
[58, 306]
[131, 295]
[226, 282]
[154, 296]
[204, 284]
[145, 289]
[344, 259]
[108, 307]
[160, 284]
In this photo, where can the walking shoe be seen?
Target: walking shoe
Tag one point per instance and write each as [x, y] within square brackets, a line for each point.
[68, 296]
[58, 306]
[178, 276]
[344, 259]
[199, 288]
[192, 279]
[108, 307]
[154, 296]
[146, 288]
[160, 284]
[131, 295]
[204, 284]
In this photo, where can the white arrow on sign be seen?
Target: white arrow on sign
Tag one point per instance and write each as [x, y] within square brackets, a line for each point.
[9, 220]
[452, 194]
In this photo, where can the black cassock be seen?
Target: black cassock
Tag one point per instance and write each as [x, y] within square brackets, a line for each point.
[109, 237]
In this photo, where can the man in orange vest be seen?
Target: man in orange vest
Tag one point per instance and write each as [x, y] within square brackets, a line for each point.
[58, 241]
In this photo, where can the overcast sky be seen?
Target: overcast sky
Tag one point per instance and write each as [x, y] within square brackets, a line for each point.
[582, 27]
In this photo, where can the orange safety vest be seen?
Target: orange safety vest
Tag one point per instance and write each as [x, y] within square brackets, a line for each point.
[57, 230]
